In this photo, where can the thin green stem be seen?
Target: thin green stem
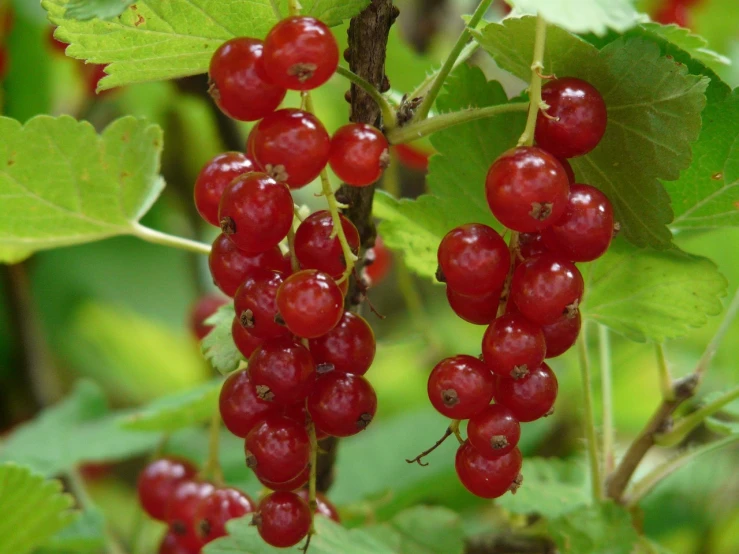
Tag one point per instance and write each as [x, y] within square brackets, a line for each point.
[433, 91]
[587, 385]
[606, 386]
[276, 9]
[388, 112]
[712, 347]
[665, 376]
[527, 138]
[157, 237]
[454, 428]
[291, 245]
[414, 131]
[212, 468]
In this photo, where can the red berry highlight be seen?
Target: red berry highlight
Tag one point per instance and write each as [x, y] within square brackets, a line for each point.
[316, 248]
[359, 154]
[283, 519]
[530, 397]
[310, 303]
[282, 371]
[349, 347]
[488, 477]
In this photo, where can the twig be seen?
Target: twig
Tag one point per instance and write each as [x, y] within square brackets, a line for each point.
[452, 429]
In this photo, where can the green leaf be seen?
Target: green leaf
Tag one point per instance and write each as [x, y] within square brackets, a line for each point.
[582, 16]
[695, 45]
[86, 534]
[218, 345]
[605, 529]
[177, 411]
[102, 9]
[422, 530]
[152, 40]
[77, 429]
[650, 294]
[654, 109]
[33, 509]
[722, 427]
[62, 184]
[13, 255]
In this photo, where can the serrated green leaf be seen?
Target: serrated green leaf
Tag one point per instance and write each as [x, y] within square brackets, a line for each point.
[695, 45]
[152, 40]
[102, 9]
[654, 109]
[422, 530]
[582, 16]
[61, 183]
[605, 529]
[649, 294]
[77, 429]
[33, 509]
[176, 411]
[218, 345]
[86, 534]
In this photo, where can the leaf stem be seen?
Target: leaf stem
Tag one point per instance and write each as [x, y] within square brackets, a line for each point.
[212, 468]
[606, 384]
[389, 121]
[157, 237]
[663, 370]
[429, 99]
[527, 138]
[587, 384]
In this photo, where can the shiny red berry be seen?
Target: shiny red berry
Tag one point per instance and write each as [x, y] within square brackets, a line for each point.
[256, 306]
[561, 335]
[219, 507]
[310, 303]
[359, 154]
[278, 447]
[324, 507]
[283, 519]
[286, 486]
[282, 371]
[239, 84]
[171, 545]
[244, 341]
[158, 481]
[181, 511]
[530, 397]
[213, 179]
[342, 404]
[292, 146]
[576, 118]
[300, 53]
[479, 310]
[473, 260]
[488, 477]
[349, 347]
[240, 406]
[205, 307]
[460, 386]
[377, 263]
[512, 346]
[316, 247]
[527, 189]
[494, 431]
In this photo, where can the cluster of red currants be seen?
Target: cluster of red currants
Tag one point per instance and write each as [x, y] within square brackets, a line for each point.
[196, 511]
[528, 293]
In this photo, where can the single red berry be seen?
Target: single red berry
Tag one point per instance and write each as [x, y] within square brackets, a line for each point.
[292, 146]
[545, 287]
[239, 84]
[575, 120]
[349, 347]
[171, 545]
[411, 157]
[283, 519]
[527, 189]
[256, 212]
[286, 486]
[240, 406]
[530, 397]
[310, 303]
[377, 263]
[256, 306]
[220, 506]
[359, 154]
[488, 477]
[473, 260]
[674, 11]
[479, 310]
[205, 307]
[278, 447]
[342, 404]
[561, 335]
[245, 342]
[213, 179]
[512, 346]
[530, 245]
[230, 266]
[460, 386]
[282, 371]
[181, 511]
[157, 482]
[494, 431]
[585, 230]
[316, 247]
[300, 53]
[324, 507]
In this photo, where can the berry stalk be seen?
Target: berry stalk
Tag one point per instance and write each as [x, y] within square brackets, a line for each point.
[388, 112]
[535, 102]
[596, 478]
[157, 237]
[212, 469]
[606, 378]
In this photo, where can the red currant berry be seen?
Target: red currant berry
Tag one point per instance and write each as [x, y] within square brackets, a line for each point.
[311, 303]
[213, 179]
[171, 545]
[256, 212]
[568, 169]
[323, 506]
[530, 397]
[282, 371]
[473, 260]
[239, 84]
[205, 307]
[245, 342]
[674, 11]
[317, 248]
[512, 346]
[460, 386]
[377, 263]
[494, 431]
[283, 519]
[181, 511]
[585, 230]
[158, 481]
[359, 154]
[545, 287]
[349, 347]
[577, 118]
[412, 157]
[256, 306]
[530, 245]
[278, 447]
[342, 404]
[478, 310]
[240, 406]
[292, 146]
[488, 477]
[527, 189]
[300, 53]
[220, 506]
[286, 486]
[561, 335]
